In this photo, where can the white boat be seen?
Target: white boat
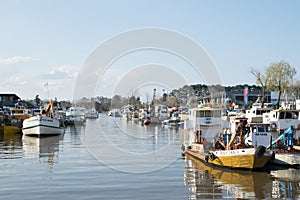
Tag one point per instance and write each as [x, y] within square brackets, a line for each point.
[91, 114]
[42, 124]
[255, 114]
[75, 115]
[285, 153]
[280, 120]
[208, 120]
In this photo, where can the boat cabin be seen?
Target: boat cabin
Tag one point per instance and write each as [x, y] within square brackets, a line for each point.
[205, 117]
[254, 134]
[281, 120]
[255, 114]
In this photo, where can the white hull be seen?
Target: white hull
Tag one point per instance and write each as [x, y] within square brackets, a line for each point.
[41, 125]
[287, 159]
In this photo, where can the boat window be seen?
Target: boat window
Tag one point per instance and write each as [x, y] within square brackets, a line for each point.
[217, 113]
[296, 115]
[254, 130]
[261, 129]
[200, 113]
[17, 111]
[288, 115]
[208, 113]
[281, 115]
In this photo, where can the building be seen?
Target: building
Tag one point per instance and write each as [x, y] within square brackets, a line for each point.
[238, 96]
[8, 100]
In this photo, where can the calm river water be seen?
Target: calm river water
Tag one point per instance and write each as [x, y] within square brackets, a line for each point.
[110, 158]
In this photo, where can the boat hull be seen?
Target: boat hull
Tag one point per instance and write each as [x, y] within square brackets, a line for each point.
[11, 129]
[287, 158]
[247, 158]
[41, 125]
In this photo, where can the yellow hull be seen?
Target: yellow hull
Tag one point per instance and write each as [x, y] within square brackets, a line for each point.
[245, 162]
[20, 117]
[10, 130]
[239, 159]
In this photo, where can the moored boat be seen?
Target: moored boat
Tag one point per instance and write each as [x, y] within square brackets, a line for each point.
[91, 114]
[244, 158]
[281, 119]
[285, 153]
[43, 124]
[243, 149]
[75, 116]
[10, 129]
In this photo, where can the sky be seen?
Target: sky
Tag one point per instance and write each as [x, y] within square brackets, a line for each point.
[46, 47]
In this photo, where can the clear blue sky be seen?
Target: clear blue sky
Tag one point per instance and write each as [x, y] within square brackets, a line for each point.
[48, 41]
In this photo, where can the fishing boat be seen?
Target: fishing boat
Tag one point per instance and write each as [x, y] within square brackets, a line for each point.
[285, 153]
[43, 124]
[243, 149]
[208, 120]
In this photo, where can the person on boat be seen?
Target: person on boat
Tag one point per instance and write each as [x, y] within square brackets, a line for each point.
[239, 133]
[196, 136]
[43, 113]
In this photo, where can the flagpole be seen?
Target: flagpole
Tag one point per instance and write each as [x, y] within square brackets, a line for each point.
[47, 87]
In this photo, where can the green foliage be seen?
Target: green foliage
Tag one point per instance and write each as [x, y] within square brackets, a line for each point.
[280, 76]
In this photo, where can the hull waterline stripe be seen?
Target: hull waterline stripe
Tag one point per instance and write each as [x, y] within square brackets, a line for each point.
[41, 125]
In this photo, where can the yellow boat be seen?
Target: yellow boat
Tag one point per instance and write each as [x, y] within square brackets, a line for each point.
[9, 130]
[242, 148]
[19, 113]
[245, 158]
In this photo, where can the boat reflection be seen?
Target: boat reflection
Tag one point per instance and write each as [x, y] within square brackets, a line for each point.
[10, 145]
[211, 182]
[286, 183]
[45, 148]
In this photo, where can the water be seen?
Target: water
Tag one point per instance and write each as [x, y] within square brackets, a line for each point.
[111, 158]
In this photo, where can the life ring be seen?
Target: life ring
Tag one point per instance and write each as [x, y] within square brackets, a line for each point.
[273, 126]
[260, 151]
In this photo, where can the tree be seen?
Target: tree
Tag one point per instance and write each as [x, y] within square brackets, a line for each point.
[262, 80]
[280, 76]
[294, 90]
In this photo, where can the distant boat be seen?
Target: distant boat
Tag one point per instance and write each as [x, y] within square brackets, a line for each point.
[43, 124]
[114, 113]
[75, 116]
[91, 114]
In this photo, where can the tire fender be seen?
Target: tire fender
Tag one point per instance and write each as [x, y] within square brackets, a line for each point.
[260, 151]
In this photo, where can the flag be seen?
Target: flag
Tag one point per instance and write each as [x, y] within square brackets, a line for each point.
[46, 85]
[246, 95]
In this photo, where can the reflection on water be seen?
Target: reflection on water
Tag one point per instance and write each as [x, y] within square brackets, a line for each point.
[286, 183]
[210, 182]
[129, 147]
[56, 167]
[42, 147]
[10, 145]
